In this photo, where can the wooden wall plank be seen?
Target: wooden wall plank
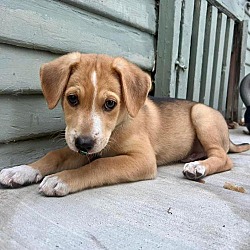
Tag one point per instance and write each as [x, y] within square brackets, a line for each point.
[226, 65]
[27, 116]
[140, 13]
[59, 28]
[217, 63]
[207, 62]
[167, 49]
[19, 69]
[195, 66]
[30, 30]
[23, 152]
[184, 52]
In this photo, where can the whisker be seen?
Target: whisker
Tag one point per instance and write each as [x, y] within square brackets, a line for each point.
[60, 140]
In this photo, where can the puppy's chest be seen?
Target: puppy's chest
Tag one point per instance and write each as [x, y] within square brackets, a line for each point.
[110, 150]
[117, 147]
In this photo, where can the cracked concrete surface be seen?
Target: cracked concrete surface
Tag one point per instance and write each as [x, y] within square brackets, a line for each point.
[169, 212]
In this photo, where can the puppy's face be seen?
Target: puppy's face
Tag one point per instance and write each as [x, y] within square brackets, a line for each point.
[97, 93]
[92, 105]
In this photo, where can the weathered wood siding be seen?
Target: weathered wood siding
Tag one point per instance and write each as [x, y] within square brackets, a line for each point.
[247, 59]
[33, 32]
[194, 49]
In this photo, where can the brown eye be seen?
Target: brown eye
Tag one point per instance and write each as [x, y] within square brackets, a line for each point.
[73, 100]
[109, 105]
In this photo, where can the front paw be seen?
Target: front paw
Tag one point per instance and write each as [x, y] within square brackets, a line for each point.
[52, 185]
[19, 175]
[194, 170]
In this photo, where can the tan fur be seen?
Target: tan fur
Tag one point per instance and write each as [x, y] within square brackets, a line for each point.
[136, 136]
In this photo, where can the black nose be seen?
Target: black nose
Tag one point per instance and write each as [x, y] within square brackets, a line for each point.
[84, 144]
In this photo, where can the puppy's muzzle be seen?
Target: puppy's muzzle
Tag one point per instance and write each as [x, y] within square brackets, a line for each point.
[84, 144]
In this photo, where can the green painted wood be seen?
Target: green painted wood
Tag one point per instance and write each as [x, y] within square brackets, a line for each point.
[196, 55]
[140, 13]
[59, 28]
[23, 152]
[207, 62]
[245, 37]
[226, 65]
[217, 63]
[184, 51]
[247, 69]
[248, 40]
[233, 9]
[167, 49]
[19, 69]
[27, 116]
[247, 57]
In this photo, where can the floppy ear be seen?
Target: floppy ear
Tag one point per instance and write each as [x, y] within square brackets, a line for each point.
[135, 84]
[55, 75]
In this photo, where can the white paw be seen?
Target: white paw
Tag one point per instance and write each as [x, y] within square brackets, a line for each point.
[19, 175]
[53, 186]
[194, 170]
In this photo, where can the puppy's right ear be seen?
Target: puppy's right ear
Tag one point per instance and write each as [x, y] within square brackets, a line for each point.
[55, 75]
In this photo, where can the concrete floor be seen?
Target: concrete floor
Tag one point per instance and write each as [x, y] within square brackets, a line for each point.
[169, 212]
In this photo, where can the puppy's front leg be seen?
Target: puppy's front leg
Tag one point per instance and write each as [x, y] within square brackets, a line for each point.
[52, 162]
[122, 168]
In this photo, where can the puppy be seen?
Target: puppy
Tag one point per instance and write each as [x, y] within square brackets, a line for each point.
[115, 133]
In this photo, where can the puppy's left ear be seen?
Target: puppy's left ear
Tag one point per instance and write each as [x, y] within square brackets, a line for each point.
[55, 75]
[135, 84]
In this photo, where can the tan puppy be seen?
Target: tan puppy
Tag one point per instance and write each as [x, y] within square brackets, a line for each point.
[115, 133]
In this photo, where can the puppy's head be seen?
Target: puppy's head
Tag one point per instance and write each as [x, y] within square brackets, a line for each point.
[97, 93]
